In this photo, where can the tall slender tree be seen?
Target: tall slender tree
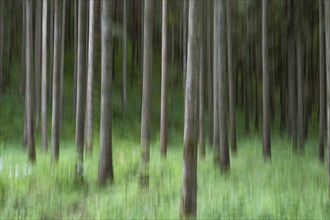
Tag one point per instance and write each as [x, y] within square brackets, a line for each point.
[231, 81]
[224, 151]
[327, 43]
[124, 67]
[146, 96]
[216, 138]
[266, 150]
[163, 144]
[189, 163]
[29, 77]
[322, 80]
[201, 91]
[81, 89]
[63, 16]
[90, 73]
[75, 27]
[44, 77]
[105, 172]
[56, 81]
[300, 107]
[1, 42]
[37, 60]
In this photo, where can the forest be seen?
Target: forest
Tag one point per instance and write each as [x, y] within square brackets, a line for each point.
[164, 109]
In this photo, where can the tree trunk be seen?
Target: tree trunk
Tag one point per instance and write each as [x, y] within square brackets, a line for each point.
[62, 64]
[265, 85]
[201, 93]
[51, 52]
[163, 144]
[105, 172]
[224, 150]
[209, 74]
[124, 98]
[37, 60]
[146, 96]
[90, 73]
[81, 89]
[29, 78]
[1, 43]
[231, 82]
[56, 81]
[300, 107]
[74, 102]
[44, 77]
[327, 40]
[172, 82]
[216, 140]
[189, 163]
[322, 81]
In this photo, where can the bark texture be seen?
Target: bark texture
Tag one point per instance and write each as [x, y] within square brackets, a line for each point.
[105, 172]
[189, 163]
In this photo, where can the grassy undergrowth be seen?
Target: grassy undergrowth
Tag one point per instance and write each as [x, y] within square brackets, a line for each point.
[289, 186]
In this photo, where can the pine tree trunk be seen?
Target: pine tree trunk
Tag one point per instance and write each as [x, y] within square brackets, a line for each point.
[201, 91]
[29, 78]
[146, 96]
[322, 81]
[189, 163]
[1, 43]
[75, 27]
[81, 89]
[231, 81]
[224, 151]
[90, 73]
[266, 150]
[216, 139]
[56, 81]
[300, 92]
[327, 40]
[44, 77]
[105, 172]
[51, 52]
[124, 67]
[62, 64]
[163, 144]
[209, 74]
[37, 60]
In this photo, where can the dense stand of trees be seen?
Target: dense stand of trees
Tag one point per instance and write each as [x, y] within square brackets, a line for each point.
[229, 57]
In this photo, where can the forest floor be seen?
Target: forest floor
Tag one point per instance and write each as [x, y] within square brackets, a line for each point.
[289, 186]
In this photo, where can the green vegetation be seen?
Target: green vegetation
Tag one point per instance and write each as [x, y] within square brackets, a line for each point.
[289, 186]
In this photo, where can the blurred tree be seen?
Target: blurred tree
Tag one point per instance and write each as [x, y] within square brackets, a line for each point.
[265, 84]
[90, 80]
[105, 172]
[44, 77]
[81, 89]
[56, 81]
[163, 125]
[322, 113]
[146, 96]
[189, 163]
[29, 78]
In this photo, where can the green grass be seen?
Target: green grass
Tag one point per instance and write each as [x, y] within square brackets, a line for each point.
[289, 186]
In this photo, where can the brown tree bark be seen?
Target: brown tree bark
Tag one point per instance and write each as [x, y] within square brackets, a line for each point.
[105, 172]
[189, 163]
[266, 150]
[44, 77]
[322, 81]
[146, 96]
[37, 61]
[124, 60]
[81, 89]
[216, 138]
[327, 43]
[29, 78]
[163, 125]
[224, 151]
[231, 81]
[90, 73]
[56, 81]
